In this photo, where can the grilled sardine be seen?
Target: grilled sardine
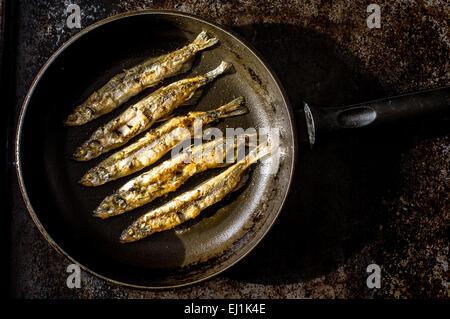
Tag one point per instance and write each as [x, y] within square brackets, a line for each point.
[140, 116]
[155, 143]
[127, 84]
[189, 205]
[168, 176]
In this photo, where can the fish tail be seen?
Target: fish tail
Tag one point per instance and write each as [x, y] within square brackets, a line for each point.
[257, 153]
[224, 66]
[249, 139]
[203, 41]
[239, 143]
[234, 108]
[252, 140]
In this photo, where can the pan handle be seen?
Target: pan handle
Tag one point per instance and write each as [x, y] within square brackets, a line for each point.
[373, 113]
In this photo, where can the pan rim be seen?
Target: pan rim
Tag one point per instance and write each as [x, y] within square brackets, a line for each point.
[65, 45]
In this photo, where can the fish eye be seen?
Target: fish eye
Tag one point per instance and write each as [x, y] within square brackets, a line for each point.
[86, 111]
[102, 173]
[120, 202]
[94, 144]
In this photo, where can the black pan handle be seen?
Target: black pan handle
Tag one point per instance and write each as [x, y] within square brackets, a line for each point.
[373, 113]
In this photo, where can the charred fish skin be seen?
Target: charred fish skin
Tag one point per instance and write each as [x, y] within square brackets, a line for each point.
[142, 115]
[156, 143]
[129, 83]
[189, 205]
[167, 177]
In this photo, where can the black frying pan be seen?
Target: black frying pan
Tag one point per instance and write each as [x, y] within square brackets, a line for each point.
[224, 233]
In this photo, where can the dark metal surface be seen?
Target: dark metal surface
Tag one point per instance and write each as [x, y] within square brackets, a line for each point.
[62, 208]
[383, 196]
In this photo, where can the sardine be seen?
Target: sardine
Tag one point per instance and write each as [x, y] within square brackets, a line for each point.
[169, 176]
[156, 143]
[140, 116]
[189, 205]
[127, 84]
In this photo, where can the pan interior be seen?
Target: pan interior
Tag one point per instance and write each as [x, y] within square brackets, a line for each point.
[198, 249]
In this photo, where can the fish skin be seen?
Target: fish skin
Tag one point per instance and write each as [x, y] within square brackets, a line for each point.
[189, 205]
[129, 83]
[167, 176]
[156, 143]
[142, 115]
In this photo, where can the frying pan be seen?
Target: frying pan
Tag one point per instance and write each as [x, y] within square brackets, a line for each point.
[222, 234]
